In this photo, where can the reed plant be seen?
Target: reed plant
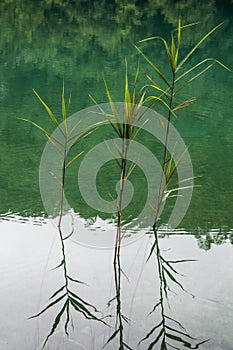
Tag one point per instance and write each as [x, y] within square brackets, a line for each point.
[65, 294]
[165, 89]
[124, 128]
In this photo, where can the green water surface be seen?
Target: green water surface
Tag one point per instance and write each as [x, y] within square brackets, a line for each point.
[44, 43]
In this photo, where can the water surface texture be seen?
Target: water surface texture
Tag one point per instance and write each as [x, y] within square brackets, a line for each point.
[46, 43]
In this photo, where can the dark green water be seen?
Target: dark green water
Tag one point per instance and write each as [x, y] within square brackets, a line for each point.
[44, 43]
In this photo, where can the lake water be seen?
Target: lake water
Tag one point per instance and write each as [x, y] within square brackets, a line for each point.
[45, 43]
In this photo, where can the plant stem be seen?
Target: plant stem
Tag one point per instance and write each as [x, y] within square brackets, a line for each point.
[160, 194]
[60, 220]
[125, 146]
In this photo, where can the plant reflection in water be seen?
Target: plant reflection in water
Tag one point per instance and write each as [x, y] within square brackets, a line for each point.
[168, 332]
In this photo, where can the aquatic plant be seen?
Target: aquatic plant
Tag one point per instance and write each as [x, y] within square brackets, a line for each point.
[165, 91]
[65, 294]
[126, 131]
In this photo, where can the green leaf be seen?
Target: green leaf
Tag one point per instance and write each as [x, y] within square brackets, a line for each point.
[193, 78]
[49, 137]
[50, 113]
[178, 33]
[157, 87]
[172, 172]
[181, 261]
[49, 306]
[83, 301]
[131, 169]
[157, 98]
[154, 67]
[74, 158]
[112, 337]
[127, 93]
[118, 149]
[63, 104]
[57, 292]
[169, 265]
[193, 68]
[184, 104]
[155, 307]
[197, 45]
[127, 346]
[156, 340]
[82, 135]
[56, 322]
[174, 55]
[59, 265]
[173, 278]
[74, 280]
[113, 155]
[151, 332]
[172, 346]
[114, 111]
[180, 340]
[151, 251]
[179, 332]
[67, 319]
[81, 308]
[178, 323]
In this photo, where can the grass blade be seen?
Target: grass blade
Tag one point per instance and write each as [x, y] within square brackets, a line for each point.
[173, 278]
[157, 98]
[49, 137]
[179, 332]
[156, 340]
[180, 261]
[83, 301]
[157, 87]
[193, 78]
[170, 266]
[154, 67]
[74, 280]
[155, 307]
[56, 322]
[57, 292]
[112, 337]
[49, 306]
[50, 113]
[151, 332]
[184, 104]
[59, 265]
[197, 45]
[114, 111]
[63, 105]
[74, 158]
